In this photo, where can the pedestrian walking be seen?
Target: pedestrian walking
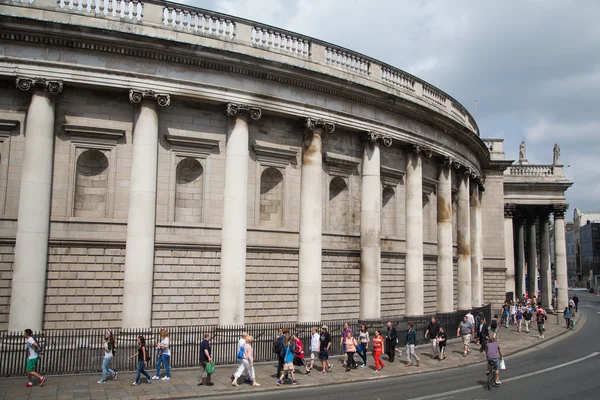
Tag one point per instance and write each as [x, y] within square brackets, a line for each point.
[142, 359]
[576, 301]
[288, 357]
[482, 333]
[441, 339]
[247, 363]
[567, 316]
[278, 348]
[506, 313]
[314, 348]
[109, 351]
[33, 355]
[378, 350]
[495, 327]
[540, 318]
[164, 356]
[299, 354]
[470, 317]
[240, 357]
[364, 344]
[527, 316]
[391, 339]
[324, 346]
[350, 345]
[433, 328]
[519, 318]
[513, 313]
[411, 344]
[205, 358]
[465, 330]
[572, 307]
[345, 333]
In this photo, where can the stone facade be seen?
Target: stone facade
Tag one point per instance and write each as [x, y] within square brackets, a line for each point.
[258, 181]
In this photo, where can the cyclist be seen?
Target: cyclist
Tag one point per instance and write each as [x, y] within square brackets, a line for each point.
[493, 354]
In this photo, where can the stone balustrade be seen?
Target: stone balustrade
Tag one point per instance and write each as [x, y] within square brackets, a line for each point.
[171, 21]
[532, 170]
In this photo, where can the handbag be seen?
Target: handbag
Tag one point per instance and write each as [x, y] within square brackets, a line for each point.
[210, 367]
[502, 364]
[359, 348]
[240, 353]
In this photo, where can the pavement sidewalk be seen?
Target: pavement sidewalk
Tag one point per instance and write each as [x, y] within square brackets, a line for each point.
[183, 383]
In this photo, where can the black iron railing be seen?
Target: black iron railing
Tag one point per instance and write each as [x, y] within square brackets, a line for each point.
[80, 350]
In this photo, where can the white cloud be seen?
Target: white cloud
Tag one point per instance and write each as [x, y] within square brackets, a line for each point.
[544, 131]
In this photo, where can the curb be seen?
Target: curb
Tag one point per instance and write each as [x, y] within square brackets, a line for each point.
[561, 336]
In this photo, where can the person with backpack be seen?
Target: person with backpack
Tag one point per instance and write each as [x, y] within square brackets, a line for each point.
[314, 348]
[527, 318]
[143, 357]
[495, 327]
[240, 356]
[164, 356]
[350, 346]
[278, 348]
[288, 357]
[411, 343]
[109, 352]
[34, 350]
[540, 318]
[247, 357]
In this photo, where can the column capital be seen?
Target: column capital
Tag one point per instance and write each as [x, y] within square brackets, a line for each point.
[509, 210]
[560, 210]
[50, 86]
[254, 112]
[373, 137]
[314, 123]
[136, 96]
[445, 161]
[420, 150]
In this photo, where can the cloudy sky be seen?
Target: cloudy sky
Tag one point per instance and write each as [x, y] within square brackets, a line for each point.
[525, 68]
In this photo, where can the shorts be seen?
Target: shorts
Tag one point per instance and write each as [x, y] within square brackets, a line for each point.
[314, 355]
[495, 360]
[540, 328]
[344, 349]
[466, 339]
[31, 362]
[288, 366]
[323, 355]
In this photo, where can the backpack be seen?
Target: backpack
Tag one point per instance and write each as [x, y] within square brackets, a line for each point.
[494, 324]
[240, 353]
[40, 349]
[277, 345]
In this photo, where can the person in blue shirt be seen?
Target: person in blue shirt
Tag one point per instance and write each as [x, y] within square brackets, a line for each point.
[288, 358]
[567, 315]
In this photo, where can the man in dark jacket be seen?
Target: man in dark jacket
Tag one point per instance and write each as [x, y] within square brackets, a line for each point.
[482, 333]
[391, 338]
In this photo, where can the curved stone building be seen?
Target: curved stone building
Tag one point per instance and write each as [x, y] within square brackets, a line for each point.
[164, 165]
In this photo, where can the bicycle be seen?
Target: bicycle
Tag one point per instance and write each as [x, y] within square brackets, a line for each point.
[491, 375]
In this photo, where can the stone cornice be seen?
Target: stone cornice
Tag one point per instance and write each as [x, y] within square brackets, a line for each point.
[192, 145]
[136, 96]
[234, 109]
[274, 154]
[50, 86]
[391, 176]
[105, 134]
[340, 164]
[6, 127]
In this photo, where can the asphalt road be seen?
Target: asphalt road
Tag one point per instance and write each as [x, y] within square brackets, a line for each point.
[568, 369]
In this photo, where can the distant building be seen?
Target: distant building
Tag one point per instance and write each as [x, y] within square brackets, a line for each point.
[583, 248]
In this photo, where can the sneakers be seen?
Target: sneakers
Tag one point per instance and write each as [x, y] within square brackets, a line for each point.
[134, 384]
[347, 369]
[307, 372]
[278, 381]
[294, 382]
[329, 367]
[155, 378]
[28, 384]
[247, 380]
[209, 383]
[364, 366]
[42, 380]
[376, 371]
[166, 378]
[115, 376]
[101, 381]
[322, 372]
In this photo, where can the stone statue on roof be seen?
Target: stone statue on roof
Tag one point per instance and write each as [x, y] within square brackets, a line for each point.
[522, 153]
[556, 153]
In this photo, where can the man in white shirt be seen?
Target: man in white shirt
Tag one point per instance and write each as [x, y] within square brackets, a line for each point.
[315, 339]
[32, 358]
[240, 345]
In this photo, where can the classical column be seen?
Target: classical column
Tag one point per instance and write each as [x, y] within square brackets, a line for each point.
[414, 231]
[309, 261]
[560, 252]
[141, 217]
[445, 271]
[545, 272]
[232, 288]
[521, 289]
[532, 257]
[464, 242]
[370, 228]
[33, 224]
[476, 253]
[509, 249]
